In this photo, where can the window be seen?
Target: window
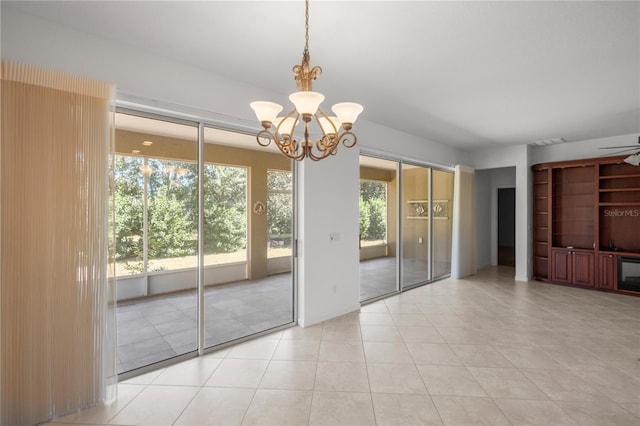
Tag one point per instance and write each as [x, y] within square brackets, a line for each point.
[129, 212]
[170, 189]
[172, 215]
[373, 212]
[279, 212]
[225, 214]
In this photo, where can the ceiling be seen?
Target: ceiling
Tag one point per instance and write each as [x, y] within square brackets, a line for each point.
[467, 74]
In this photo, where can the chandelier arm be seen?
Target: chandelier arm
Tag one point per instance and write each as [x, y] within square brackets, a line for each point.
[348, 139]
[326, 117]
[287, 145]
[265, 134]
[289, 148]
[295, 122]
[327, 142]
[323, 154]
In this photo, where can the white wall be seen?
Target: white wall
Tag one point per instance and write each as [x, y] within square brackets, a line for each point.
[328, 274]
[518, 157]
[330, 188]
[483, 217]
[488, 181]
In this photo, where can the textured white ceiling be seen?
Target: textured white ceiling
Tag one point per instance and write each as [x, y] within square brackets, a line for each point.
[467, 74]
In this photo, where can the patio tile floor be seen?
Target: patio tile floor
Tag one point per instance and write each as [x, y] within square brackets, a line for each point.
[160, 327]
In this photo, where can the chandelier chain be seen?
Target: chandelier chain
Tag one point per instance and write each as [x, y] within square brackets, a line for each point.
[306, 25]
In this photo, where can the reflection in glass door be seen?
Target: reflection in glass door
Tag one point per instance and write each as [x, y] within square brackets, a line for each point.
[248, 227]
[156, 228]
[416, 226]
[378, 227]
[423, 199]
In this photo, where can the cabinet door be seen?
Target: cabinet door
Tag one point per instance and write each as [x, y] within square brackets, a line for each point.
[606, 271]
[583, 263]
[561, 266]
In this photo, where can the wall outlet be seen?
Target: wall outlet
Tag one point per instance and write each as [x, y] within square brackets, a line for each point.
[334, 236]
[335, 289]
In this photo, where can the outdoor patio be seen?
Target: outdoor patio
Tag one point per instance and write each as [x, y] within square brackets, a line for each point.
[160, 327]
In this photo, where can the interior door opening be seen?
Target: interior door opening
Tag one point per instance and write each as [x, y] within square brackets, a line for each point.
[507, 226]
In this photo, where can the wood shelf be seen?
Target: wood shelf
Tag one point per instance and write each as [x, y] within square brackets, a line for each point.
[621, 204]
[588, 205]
[619, 176]
[620, 190]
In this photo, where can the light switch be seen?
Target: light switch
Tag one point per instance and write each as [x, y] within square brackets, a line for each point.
[419, 240]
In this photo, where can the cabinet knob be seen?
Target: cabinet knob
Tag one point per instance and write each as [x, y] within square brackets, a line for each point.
[610, 255]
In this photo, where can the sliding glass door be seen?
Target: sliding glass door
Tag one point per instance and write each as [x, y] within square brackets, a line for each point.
[405, 214]
[442, 227]
[156, 228]
[248, 228]
[244, 226]
[416, 225]
[378, 227]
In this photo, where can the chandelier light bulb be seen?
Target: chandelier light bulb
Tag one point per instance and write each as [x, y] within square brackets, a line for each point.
[306, 102]
[328, 127]
[266, 111]
[347, 112]
[285, 125]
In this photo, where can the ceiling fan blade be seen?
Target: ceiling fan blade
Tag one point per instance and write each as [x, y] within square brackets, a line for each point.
[620, 152]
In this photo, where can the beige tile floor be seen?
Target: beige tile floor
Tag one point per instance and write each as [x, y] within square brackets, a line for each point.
[483, 350]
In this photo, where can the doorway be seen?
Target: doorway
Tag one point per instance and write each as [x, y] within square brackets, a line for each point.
[507, 226]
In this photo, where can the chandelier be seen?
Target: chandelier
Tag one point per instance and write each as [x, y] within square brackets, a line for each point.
[334, 129]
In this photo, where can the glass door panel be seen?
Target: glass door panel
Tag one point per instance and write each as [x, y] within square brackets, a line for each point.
[156, 228]
[248, 216]
[442, 208]
[378, 227]
[416, 227]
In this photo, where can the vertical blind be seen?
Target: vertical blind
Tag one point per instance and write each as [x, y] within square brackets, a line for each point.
[56, 290]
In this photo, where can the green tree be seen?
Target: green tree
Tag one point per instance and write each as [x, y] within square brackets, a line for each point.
[377, 219]
[280, 203]
[225, 208]
[373, 189]
[373, 210]
[364, 219]
[128, 209]
[172, 205]
[170, 232]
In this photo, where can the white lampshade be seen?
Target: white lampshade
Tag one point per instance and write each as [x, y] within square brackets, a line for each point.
[347, 112]
[327, 128]
[266, 111]
[306, 102]
[285, 125]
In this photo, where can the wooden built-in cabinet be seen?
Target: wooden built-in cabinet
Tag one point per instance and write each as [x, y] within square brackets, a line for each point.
[572, 267]
[541, 220]
[585, 214]
[607, 269]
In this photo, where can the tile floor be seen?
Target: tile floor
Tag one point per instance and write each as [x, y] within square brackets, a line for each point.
[482, 350]
[156, 328]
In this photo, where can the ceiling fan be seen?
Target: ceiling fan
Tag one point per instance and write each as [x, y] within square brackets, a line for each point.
[633, 159]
